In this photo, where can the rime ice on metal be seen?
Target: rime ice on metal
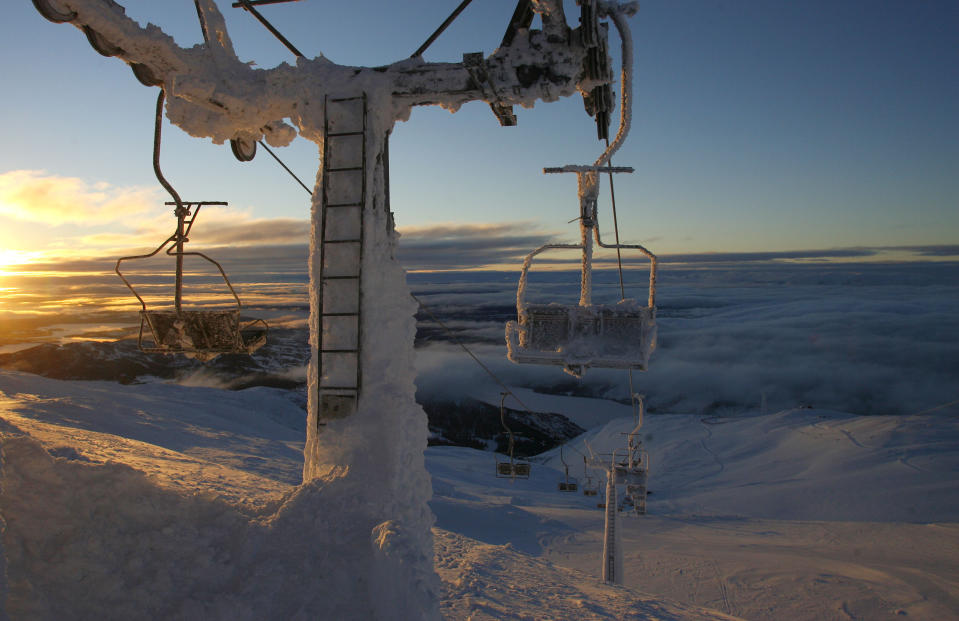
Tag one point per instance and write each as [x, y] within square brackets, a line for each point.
[365, 433]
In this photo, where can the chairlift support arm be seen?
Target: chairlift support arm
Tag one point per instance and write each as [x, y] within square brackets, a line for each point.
[541, 66]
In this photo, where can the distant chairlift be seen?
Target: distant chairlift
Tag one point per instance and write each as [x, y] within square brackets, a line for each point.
[633, 473]
[633, 470]
[590, 486]
[620, 336]
[201, 334]
[514, 468]
[567, 484]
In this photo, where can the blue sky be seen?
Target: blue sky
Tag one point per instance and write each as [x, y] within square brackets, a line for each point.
[759, 127]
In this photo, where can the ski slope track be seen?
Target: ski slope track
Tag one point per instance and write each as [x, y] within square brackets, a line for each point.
[170, 502]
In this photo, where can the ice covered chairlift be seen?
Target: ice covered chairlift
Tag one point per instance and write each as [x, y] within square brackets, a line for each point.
[514, 468]
[200, 334]
[619, 336]
[590, 485]
[567, 484]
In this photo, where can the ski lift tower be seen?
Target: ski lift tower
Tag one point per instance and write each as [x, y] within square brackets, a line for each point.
[350, 112]
[362, 413]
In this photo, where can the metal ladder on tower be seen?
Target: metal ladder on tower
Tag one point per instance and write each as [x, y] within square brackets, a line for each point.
[339, 372]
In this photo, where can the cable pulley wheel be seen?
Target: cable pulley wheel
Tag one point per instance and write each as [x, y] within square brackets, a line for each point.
[145, 75]
[243, 150]
[49, 10]
[101, 45]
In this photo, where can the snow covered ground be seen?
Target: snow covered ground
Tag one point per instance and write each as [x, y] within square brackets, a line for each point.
[180, 502]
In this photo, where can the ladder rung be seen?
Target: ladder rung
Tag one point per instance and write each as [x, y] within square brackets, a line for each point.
[341, 241]
[345, 205]
[339, 314]
[353, 388]
[344, 169]
[334, 134]
[354, 98]
[339, 278]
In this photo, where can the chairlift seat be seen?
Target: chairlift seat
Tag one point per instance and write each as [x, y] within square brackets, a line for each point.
[568, 486]
[204, 334]
[620, 336]
[512, 470]
[631, 476]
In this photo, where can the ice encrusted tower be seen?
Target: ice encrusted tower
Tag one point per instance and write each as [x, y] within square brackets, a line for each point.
[354, 540]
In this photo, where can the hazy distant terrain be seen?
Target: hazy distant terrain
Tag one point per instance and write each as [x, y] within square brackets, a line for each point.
[862, 338]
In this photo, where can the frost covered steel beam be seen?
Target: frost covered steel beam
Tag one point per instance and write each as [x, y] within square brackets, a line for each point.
[242, 101]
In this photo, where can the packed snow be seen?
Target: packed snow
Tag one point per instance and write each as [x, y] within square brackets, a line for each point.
[182, 502]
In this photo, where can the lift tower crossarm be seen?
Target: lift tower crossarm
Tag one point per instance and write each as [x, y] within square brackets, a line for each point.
[242, 101]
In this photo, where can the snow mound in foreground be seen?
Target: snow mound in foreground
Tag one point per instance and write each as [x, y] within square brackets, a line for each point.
[104, 541]
[490, 582]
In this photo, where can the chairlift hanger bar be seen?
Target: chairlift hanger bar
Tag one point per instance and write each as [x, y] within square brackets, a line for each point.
[199, 203]
[574, 168]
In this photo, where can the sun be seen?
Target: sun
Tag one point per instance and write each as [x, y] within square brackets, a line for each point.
[10, 257]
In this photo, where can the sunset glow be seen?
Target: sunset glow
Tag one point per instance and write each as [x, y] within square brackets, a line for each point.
[11, 260]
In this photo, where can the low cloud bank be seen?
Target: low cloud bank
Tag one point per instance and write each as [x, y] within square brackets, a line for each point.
[860, 337]
[863, 339]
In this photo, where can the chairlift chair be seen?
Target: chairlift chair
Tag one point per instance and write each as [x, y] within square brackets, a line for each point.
[590, 487]
[634, 479]
[633, 473]
[514, 468]
[567, 484]
[200, 334]
[583, 335]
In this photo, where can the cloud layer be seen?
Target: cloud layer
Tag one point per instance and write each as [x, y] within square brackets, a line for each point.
[864, 338]
[37, 196]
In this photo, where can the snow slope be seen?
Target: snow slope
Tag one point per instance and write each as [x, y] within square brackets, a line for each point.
[165, 501]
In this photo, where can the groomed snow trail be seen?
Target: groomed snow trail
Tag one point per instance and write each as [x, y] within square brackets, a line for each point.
[486, 582]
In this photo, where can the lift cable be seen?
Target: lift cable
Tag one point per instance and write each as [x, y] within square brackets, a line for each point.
[285, 167]
[619, 259]
[453, 338]
[938, 407]
[247, 5]
[436, 33]
[619, 254]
